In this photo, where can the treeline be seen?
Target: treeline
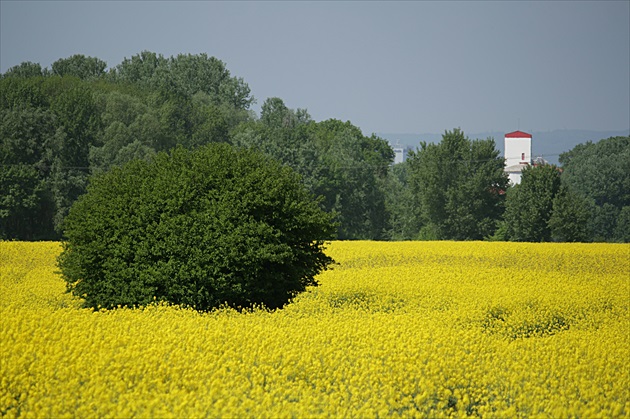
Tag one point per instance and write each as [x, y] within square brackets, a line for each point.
[59, 126]
[587, 199]
[458, 191]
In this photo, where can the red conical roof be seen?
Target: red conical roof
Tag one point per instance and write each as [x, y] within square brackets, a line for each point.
[518, 134]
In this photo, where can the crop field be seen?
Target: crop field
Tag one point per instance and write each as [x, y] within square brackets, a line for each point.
[402, 329]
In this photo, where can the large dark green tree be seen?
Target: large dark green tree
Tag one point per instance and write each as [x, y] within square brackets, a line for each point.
[530, 204]
[600, 173]
[458, 185]
[218, 225]
[354, 169]
[569, 217]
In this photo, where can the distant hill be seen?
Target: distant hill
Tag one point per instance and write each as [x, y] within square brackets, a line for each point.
[548, 144]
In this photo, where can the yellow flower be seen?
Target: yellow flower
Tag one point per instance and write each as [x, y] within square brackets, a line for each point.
[407, 329]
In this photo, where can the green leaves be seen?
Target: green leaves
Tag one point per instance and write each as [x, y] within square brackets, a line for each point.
[529, 205]
[80, 66]
[569, 218]
[458, 187]
[186, 75]
[600, 174]
[216, 225]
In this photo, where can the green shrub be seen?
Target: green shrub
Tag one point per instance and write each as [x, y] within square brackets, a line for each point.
[197, 228]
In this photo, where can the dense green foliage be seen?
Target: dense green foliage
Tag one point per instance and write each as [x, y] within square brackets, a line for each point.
[569, 217]
[47, 126]
[529, 205]
[457, 185]
[61, 125]
[336, 161]
[80, 66]
[599, 173]
[199, 228]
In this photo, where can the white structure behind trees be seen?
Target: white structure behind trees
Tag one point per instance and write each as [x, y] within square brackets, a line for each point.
[400, 152]
[518, 154]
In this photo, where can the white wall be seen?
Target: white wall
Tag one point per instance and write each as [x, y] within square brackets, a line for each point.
[400, 155]
[514, 177]
[514, 150]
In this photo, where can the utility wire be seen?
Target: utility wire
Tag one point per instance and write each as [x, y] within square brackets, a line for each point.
[356, 166]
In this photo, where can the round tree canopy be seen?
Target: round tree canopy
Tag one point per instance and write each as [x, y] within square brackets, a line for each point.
[217, 225]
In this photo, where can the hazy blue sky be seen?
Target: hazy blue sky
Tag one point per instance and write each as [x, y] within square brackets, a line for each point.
[397, 67]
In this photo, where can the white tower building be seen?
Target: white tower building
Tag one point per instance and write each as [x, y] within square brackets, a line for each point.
[518, 154]
[400, 153]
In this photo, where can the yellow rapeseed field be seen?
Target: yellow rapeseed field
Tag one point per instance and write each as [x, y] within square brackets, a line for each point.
[409, 329]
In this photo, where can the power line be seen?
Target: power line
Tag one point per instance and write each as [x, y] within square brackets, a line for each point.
[328, 166]
[39, 166]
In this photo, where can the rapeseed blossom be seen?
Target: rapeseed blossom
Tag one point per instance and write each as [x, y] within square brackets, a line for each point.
[407, 329]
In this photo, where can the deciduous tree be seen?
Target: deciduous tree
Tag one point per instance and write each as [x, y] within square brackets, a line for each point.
[202, 228]
[569, 217]
[529, 205]
[458, 184]
[600, 173]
